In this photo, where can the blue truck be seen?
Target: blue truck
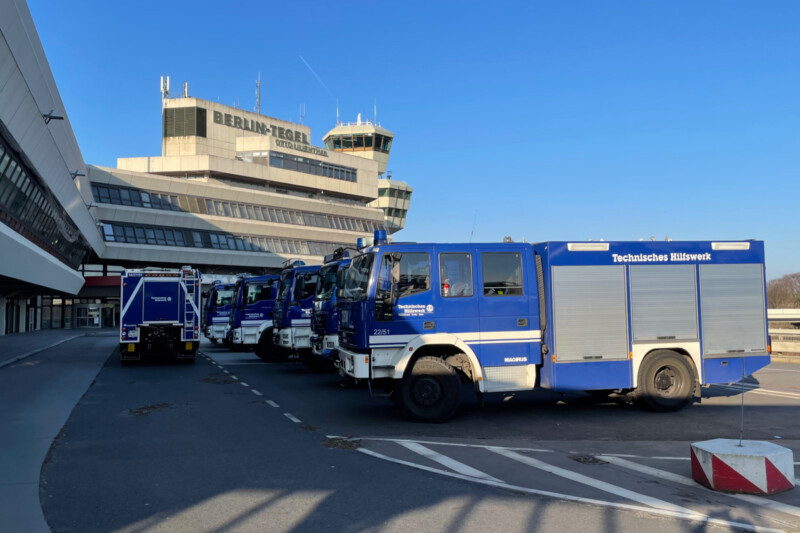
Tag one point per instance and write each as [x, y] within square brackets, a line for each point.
[292, 313]
[217, 311]
[325, 315]
[652, 320]
[254, 298]
[160, 313]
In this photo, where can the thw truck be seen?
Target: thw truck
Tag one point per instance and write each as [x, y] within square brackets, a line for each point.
[293, 306]
[325, 316]
[651, 319]
[251, 315]
[160, 313]
[216, 311]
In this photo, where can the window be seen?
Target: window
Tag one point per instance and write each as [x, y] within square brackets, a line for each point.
[223, 242]
[455, 275]
[140, 238]
[160, 237]
[179, 238]
[145, 200]
[126, 196]
[136, 199]
[119, 233]
[108, 232]
[174, 202]
[502, 274]
[115, 198]
[210, 207]
[170, 237]
[231, 242]
[151, 235]
[227, 207]
[130, 235]
[415, 274]
[155, 200]
[198, 239]
[279, 212]
[214, 240]
[105, 197]
[251, 214]
[235, 211]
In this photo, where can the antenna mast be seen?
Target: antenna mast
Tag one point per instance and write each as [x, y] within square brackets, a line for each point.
[258, 94]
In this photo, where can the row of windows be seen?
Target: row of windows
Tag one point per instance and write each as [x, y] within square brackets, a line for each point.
[392, 212]
[207, 206]
[501, 271]
[162, 236]
[390, 192]
[299, 164]
[356, 143]
[34, 213]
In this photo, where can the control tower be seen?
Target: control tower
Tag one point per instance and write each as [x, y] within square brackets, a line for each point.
[370, 141]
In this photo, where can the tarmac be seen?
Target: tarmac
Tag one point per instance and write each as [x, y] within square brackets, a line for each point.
[37, 396]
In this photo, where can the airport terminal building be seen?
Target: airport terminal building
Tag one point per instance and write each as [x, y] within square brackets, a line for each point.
[232, 192]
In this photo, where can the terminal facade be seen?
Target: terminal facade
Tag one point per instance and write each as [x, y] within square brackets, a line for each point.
[232, 192]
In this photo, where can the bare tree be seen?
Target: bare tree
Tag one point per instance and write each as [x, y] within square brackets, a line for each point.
[784, 293]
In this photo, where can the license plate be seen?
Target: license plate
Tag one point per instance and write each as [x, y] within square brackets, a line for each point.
[188, 345]
[131, 347]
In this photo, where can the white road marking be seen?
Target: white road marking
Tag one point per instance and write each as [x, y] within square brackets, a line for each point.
[683, 480]
[596, 483]
[756, 390]
[443, 460]
[642, 456]
[254, 391]
[460, 445]
[273, 404]
[234, 377]
[226, 371]
[692, 517]
[243, 384]
[293, 418]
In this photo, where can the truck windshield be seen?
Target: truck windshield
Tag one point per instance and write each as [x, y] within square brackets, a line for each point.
[305, 286]
[257, 292]
[224, 297]
[286, 281]
[356, 279]
[326, 283]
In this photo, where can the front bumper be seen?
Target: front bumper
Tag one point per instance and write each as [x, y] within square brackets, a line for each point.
[355, 365]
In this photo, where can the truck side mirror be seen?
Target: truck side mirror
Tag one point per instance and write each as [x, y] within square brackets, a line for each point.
[395, 276]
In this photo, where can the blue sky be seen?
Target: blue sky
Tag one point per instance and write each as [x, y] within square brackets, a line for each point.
[558, 120]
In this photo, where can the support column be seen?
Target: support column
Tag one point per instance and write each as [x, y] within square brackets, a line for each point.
[23, 315]
[2, 315]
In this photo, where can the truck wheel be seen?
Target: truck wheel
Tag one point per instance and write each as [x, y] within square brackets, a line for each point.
[431, 392]
[266, 349]
[666, 382]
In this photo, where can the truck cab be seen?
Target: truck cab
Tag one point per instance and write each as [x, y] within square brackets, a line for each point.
[255, 299]
[651, 320]
[325, 316]
[217, 311]
[294, 304]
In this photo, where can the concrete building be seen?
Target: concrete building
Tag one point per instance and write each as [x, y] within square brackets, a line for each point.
[236, 191]
[46, 230]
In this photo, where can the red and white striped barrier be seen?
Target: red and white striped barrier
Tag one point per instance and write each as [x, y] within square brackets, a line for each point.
[754, 467]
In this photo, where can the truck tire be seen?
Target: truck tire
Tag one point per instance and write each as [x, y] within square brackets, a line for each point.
[266, 349]
[666, 382]
[430, 392]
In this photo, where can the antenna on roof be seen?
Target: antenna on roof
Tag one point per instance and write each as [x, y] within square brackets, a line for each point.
[164, 92]
[302, 112]
[474, 220]
[186, 89]
[258, 94]
[375, 112]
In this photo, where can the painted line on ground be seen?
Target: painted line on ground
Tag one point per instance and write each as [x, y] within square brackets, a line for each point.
[436, 443]
[243, 384]
[226, 371]
[692, 517]
[629, 456]
[273, 404]
[234, 377]
[765, 392]
[38, 350]
[293, 418]
[443, 460]
[591, 482]
[684, 480]
[254, 391]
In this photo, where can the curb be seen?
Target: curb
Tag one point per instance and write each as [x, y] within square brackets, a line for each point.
[37, 350]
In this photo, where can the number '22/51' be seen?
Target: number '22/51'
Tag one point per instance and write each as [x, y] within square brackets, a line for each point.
[383, 331]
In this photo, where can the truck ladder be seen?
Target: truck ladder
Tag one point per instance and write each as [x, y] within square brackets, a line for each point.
[188, 309]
